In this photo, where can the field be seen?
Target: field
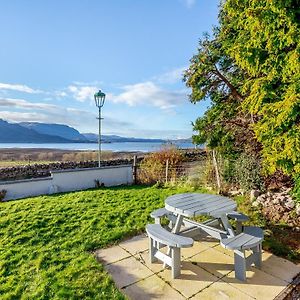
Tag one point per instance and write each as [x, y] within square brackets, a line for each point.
[47, 242]
[21, 157]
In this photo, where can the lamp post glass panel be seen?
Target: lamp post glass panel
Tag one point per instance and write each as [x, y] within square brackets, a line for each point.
[99, 101]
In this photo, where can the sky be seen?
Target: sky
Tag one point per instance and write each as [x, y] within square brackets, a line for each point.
[54, 55]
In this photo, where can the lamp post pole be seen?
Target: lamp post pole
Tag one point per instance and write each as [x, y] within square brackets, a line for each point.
[99, 139]
[99, 101]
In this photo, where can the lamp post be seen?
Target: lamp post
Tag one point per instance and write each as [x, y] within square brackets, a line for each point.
[99, 101]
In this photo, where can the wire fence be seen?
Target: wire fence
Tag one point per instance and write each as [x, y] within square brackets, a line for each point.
[167, 173]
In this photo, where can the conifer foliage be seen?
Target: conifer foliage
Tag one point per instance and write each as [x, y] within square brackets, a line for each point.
[250, 69]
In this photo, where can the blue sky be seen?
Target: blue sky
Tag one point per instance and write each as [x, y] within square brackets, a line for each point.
[55, 55]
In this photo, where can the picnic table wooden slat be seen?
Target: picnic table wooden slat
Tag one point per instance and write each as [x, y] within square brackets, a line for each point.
[168, 238]
[205, 202]
[193, 204]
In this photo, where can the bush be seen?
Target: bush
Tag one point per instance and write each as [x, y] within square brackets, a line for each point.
[153, 167]
[247, 173]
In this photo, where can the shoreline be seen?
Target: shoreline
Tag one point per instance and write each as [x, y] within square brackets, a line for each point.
[10, 157]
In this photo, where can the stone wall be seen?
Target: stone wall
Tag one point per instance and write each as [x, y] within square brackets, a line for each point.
[43, 170]
[67, 180]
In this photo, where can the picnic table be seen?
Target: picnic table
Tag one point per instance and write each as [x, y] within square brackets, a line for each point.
[181, 208]
[191, 205]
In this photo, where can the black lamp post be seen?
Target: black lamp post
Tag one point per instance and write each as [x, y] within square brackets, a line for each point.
[99, 101]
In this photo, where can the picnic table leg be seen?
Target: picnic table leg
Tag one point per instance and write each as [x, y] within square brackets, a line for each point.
[240, 265]
[257, 252]
[178, 224]
[175, 254]
[227, 226]
[176, 229]
[152, 250]
[239, 227]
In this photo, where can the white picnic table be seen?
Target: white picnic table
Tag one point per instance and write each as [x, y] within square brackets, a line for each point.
[191, 205]
[181, 208]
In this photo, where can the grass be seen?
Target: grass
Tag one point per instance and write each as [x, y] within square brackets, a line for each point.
[47, 242]
[279, 238]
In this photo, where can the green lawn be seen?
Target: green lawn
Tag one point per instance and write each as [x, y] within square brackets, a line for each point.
[46, 242]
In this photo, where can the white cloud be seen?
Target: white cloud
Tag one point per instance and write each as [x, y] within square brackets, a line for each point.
[83, 120]
[13, 116]
[60, 94]
[148, 93]
[155, 134]
[189, 3]
[172, 76]
[83, 93]
[24, 104]
[18, 87]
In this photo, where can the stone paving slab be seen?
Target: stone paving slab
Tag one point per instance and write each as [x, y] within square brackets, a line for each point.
[220, 290]
[207, 273]
[279, 267]
[213, 261]
[136, 244]
[259, 284]
[152, 287]
[128, 271]
[111, 255]
[191, 281]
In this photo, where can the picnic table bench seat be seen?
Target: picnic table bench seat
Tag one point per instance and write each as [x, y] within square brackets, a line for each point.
[240, 218]
[250, 239]
[160, 213]
[159, 235]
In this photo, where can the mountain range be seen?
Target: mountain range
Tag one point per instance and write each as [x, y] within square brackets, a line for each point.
[117, 139]
[34, 132]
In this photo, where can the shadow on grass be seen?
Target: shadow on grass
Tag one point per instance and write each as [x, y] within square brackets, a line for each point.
[283, 241]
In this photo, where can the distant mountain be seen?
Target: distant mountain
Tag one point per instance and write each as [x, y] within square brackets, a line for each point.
[118, 139]
[33, 132]
[15, 133]
[187, 140]
[60, 130]
[91, 136]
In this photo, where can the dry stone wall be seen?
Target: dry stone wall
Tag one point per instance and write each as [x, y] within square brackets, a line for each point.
[43, 170]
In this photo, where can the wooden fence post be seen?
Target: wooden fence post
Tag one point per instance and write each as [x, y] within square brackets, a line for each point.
[215, 163]
[134, 169]
[167, 169]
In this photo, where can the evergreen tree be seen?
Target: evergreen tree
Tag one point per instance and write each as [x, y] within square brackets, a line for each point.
[250, 70]
[262, 38]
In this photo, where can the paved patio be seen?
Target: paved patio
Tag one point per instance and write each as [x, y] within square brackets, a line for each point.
[207, 273]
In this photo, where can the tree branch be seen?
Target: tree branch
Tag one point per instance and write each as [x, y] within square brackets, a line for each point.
[227, 82]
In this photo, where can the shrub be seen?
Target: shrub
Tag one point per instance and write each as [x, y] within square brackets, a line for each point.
[247, 173]
[153, 167]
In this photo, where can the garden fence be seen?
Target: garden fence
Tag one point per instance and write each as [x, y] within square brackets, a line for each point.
[168, 173]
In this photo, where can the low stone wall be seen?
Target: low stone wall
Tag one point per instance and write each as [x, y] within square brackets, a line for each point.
[44, 170]
[68, 180]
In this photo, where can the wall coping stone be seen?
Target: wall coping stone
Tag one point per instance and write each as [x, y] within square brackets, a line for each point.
[62, 171]
[89, 169]
[25, 180]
